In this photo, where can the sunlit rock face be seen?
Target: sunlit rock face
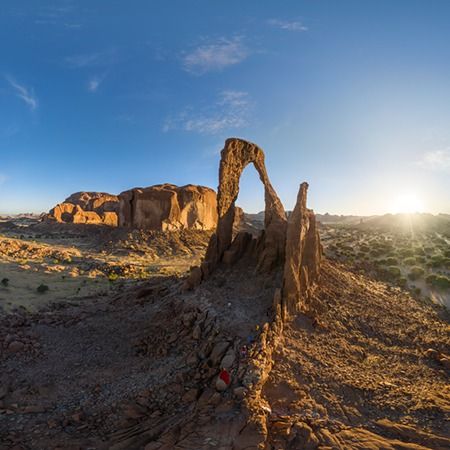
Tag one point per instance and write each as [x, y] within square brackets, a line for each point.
[303, 255]
[87, 208]
[168, 207]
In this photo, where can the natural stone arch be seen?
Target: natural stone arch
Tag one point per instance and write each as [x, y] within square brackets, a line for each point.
[236, 155]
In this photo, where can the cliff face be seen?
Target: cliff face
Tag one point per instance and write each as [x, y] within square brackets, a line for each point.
[88, 208]
[164, 207]
[168, 207]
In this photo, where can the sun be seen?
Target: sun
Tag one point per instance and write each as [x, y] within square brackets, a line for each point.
[407, 203]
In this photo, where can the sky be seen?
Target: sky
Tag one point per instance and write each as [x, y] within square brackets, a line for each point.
[106, 95]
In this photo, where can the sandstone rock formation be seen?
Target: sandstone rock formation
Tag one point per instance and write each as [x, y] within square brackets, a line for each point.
[87, 208]
[294, 243]
[235, 156]
[168, 207]
[303, 253]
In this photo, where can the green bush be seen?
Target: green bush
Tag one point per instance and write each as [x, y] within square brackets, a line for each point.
[409, 261]
[113, 277]
[437, 261]
[394, 272]
[402, 282]
[391, 261]
[405, 252]
[415, 273]
[438, 281]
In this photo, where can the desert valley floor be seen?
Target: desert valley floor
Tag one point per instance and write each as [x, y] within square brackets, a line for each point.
[114, 354]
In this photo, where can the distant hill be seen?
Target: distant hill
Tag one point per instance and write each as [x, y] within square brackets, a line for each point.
[419, 222]
[340, 219]
[257, 219]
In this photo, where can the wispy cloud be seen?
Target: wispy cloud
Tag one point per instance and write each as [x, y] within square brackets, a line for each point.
[438, 160]
[231, 110]
[215, 56]
[59, 15]
[105, 58]
[94, 83]
[288, 25]
[24, 93]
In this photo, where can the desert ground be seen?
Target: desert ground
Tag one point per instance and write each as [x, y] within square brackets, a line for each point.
[115, 354]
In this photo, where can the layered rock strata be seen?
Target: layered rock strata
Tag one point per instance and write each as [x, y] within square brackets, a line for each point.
[168, 207]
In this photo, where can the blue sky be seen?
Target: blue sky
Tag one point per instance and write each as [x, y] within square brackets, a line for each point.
[351, 96]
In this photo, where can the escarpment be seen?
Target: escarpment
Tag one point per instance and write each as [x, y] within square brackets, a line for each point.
[168, 207]
[163, 207]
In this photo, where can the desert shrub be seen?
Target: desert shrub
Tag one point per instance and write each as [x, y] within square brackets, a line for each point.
[419, 251]
[402, 282]
[113, 277]
[437, 261]
[409, 261]
[417, 291]
[391, 261]
[447, 252]
[5, 282]
[394, 272]
[420, 259]
[405, 252]
[415, 273]
[42, 288]
[438, 281]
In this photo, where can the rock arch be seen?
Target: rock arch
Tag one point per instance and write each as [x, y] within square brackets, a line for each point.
[236, 155]
[292, 245]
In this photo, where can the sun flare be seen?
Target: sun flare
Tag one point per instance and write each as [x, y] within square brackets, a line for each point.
[407, 203]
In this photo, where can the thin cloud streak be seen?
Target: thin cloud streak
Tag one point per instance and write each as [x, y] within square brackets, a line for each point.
[92, 59]
[24, 93]
[287, 25]
[231, 110]
[215, 56]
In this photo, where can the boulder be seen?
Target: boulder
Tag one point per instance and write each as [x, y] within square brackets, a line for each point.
[87, 208]
[168, 207]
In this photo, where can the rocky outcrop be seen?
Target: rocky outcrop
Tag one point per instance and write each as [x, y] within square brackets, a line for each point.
[293, 244]
[87, 208]
[235, 156]
[169, 207]
[303, 253]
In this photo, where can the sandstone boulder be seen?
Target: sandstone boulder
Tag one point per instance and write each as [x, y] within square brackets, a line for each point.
[87, 208]
[168, 207]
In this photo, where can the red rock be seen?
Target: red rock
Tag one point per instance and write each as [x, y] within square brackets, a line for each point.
[168, 207]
